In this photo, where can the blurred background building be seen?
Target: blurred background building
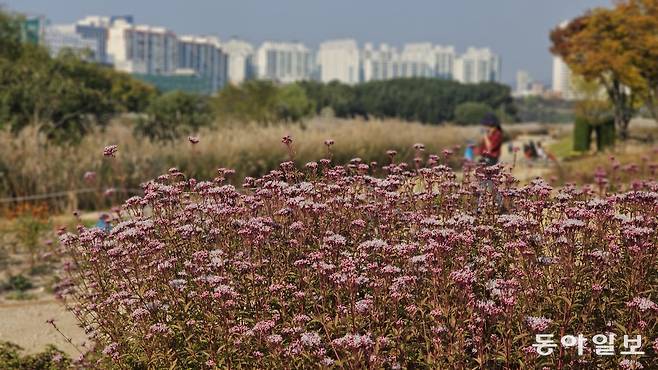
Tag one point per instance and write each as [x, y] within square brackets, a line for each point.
[204, 57]
[478, 65]
[284, 62]
[562, 79]
[241, 64]
[65, 37]
[158, 55]
[338, 60]
[142, 49]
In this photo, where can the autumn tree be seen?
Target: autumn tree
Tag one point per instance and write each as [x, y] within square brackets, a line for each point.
[599, 47]
[642, 18]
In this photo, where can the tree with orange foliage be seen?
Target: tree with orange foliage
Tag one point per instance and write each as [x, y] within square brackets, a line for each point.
[599, 47]
[642, 18]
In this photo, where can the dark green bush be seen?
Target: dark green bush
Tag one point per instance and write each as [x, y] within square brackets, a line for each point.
[174, 114]
[472, 113]
[605, 134]
[582, 133]
[18, 283]
[50, 359]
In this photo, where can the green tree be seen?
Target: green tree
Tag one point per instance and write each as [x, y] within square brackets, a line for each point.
[174, 114]
[641, 16]
[64, 96]
[592, 103]
[128, 93]
[253, 101]
[472, 113]
[293, 105]
[263, 102]
[10, 35]
[341, 98]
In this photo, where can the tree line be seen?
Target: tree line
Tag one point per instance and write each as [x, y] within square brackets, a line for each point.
[431, 101]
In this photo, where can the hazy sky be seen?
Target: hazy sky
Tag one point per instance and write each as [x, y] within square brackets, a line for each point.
[515, 29]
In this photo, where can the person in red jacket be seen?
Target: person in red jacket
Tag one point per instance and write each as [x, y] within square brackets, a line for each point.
[492, 141]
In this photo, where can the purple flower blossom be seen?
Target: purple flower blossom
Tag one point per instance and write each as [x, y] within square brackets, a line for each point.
[642, 304]
[538, 324]
[110, 150]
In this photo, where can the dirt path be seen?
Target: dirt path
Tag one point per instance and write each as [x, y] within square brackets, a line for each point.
[24, 323]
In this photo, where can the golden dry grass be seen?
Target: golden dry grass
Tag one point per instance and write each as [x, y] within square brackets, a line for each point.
[29, 165]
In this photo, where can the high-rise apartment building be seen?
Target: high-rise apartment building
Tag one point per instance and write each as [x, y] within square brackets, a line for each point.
[562, 84]
[142, 49]
[477, 65]
[427, 60]
[64, 36]
[562, 79]
[204, 56]
[417, 60]
[445, 61]
[380, 64]
[240, 60]
[523, 82]
[339, 61]
[284, 62]
[95, 28]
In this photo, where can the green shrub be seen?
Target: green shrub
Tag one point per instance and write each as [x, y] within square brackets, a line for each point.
[263, 102]
[472, 113]
[18, 283]
[174, 114]
[50, 359]
[293, 105]
[605, 134]
[582, 133]
[29, 230]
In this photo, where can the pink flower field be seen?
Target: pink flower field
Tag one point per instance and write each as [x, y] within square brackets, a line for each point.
[368, 266]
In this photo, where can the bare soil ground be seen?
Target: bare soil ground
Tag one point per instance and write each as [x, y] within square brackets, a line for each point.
[24, 323]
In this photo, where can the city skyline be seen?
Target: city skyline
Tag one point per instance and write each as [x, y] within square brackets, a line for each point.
[510, 27]
[201, 63]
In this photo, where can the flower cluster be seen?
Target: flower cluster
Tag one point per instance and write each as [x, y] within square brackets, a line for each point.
[360, 266]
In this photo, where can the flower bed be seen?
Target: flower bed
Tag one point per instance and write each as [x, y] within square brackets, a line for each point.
[357, 266]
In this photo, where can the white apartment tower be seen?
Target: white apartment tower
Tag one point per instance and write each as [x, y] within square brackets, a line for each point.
[142, 49]
[445, 61]
[523, 82]
[240, 60]
[427, 60]
[205, 57]
[562, 79]
[380, 64]
[284, 62]
[562, 85]
[477, 65]
[417, 60]
[339, 61]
